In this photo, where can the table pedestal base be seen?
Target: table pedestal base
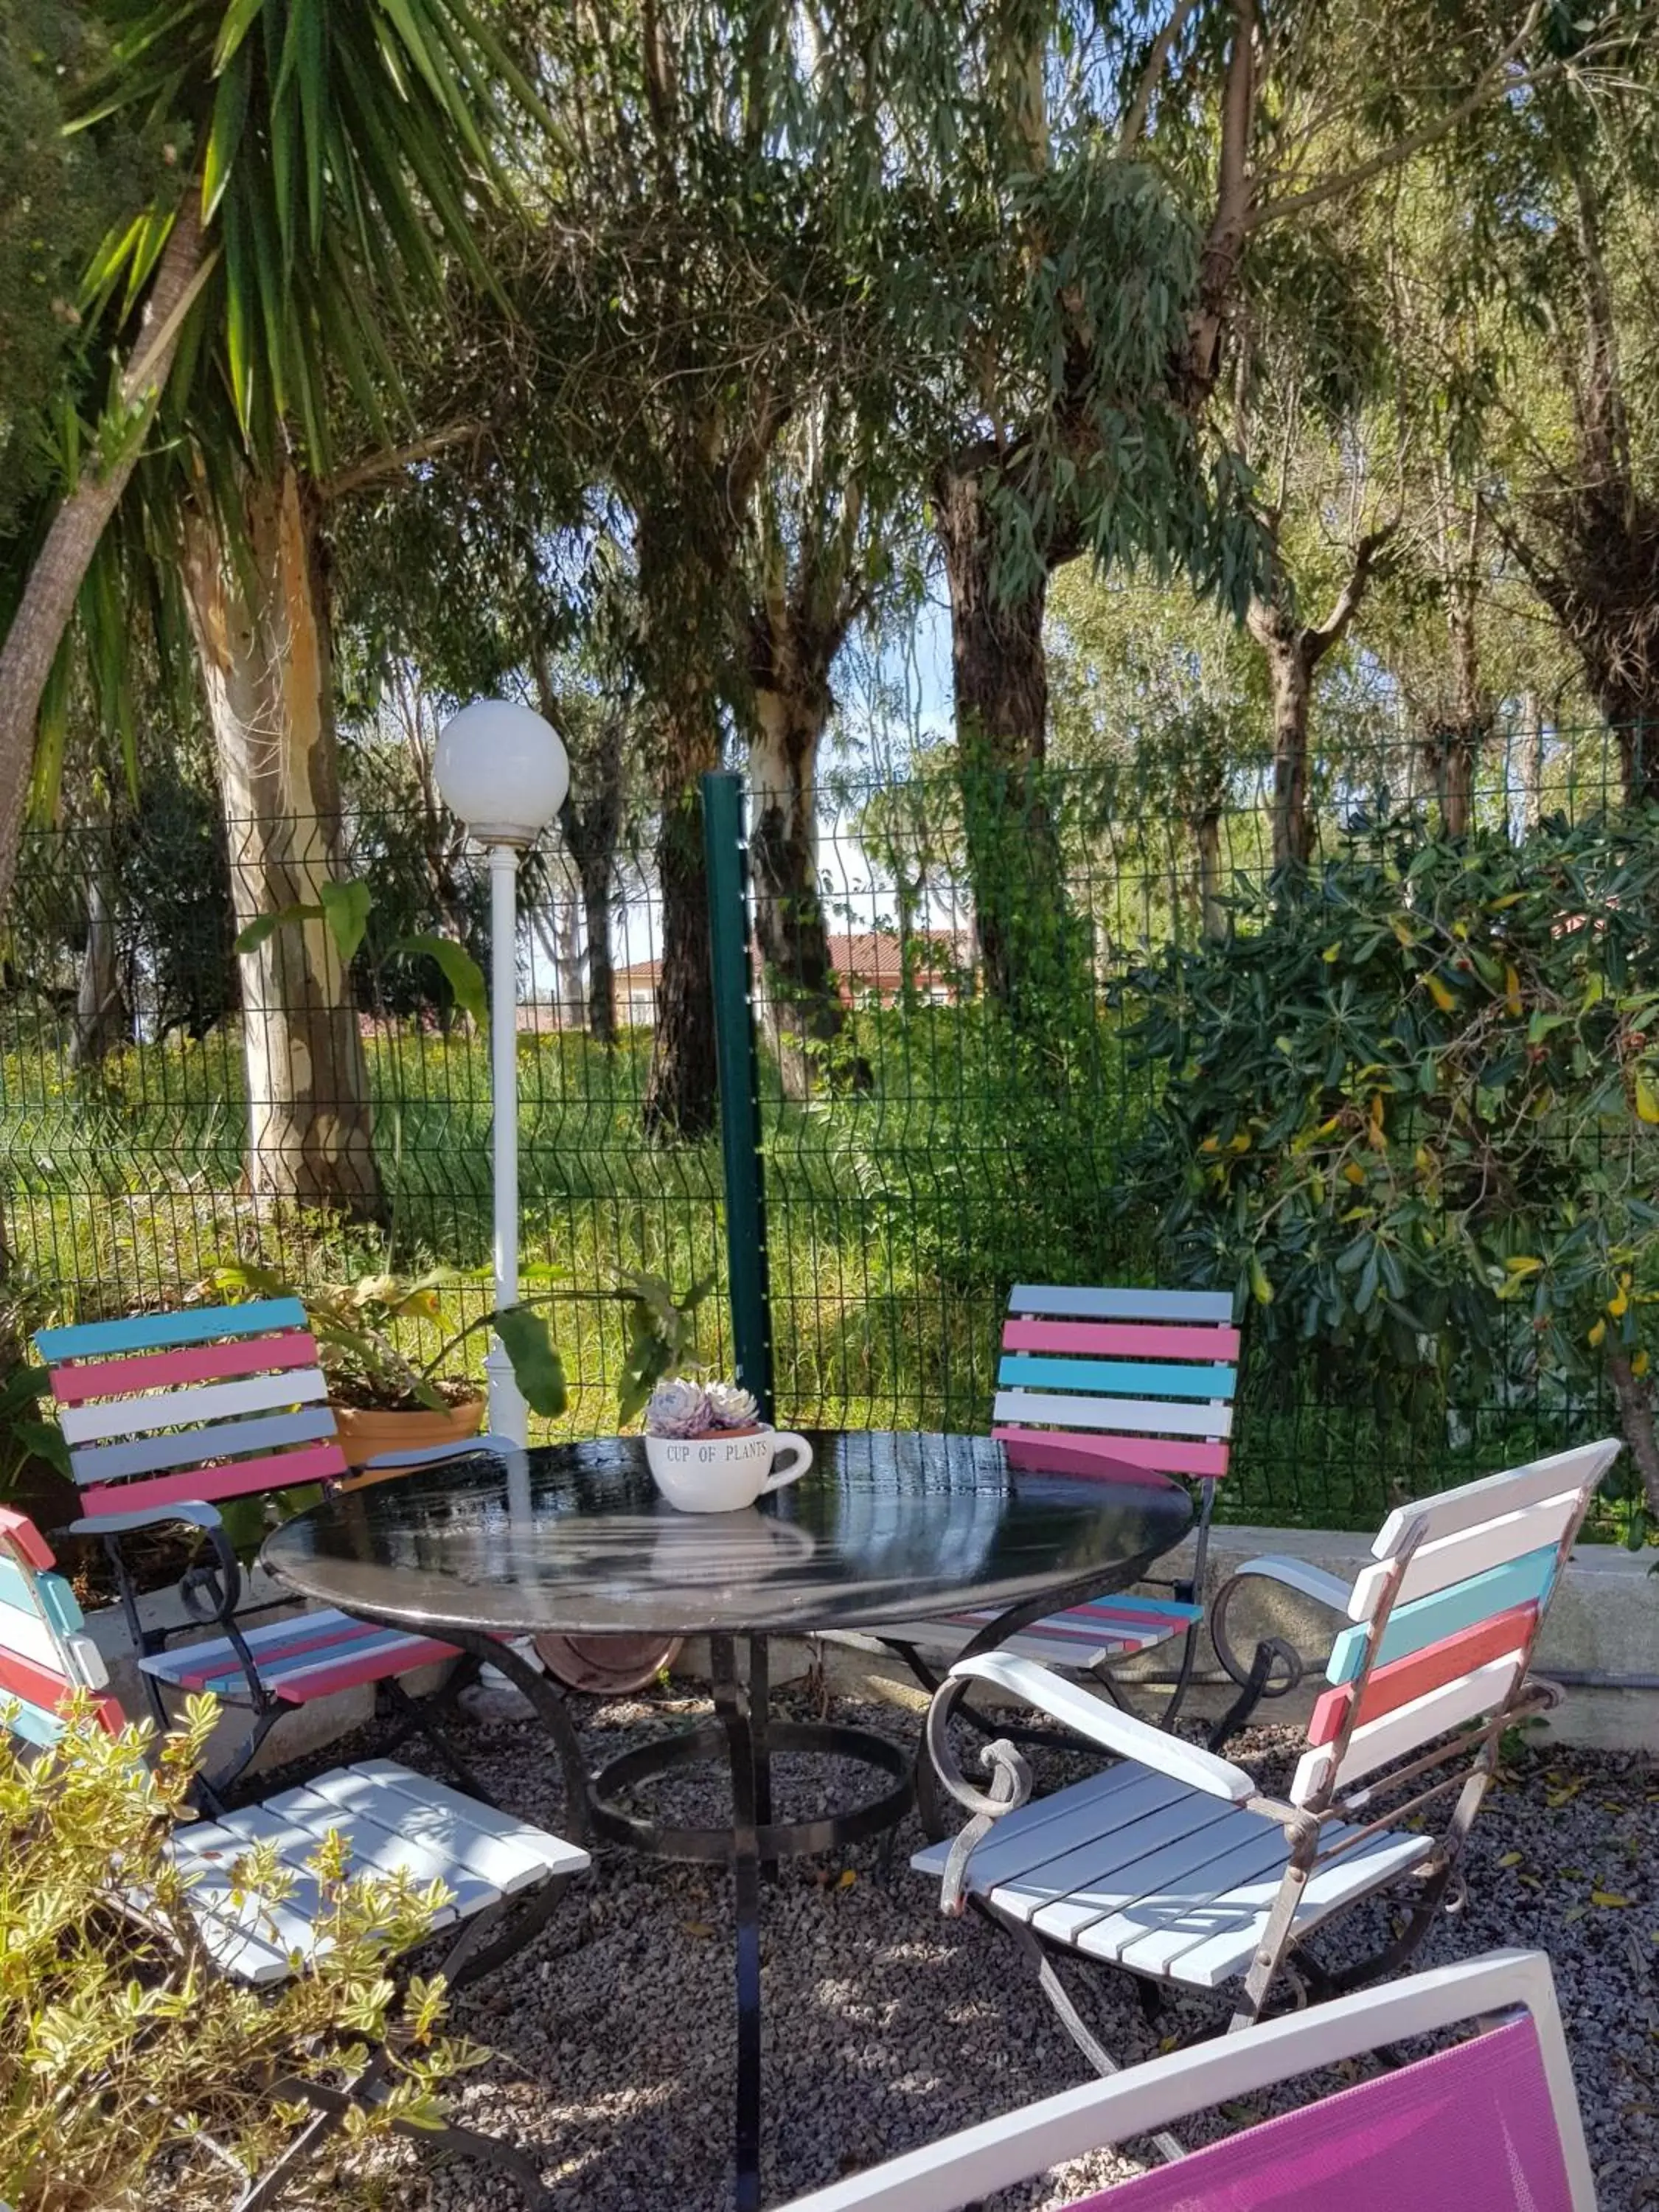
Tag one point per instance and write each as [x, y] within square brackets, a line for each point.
[743, 1734]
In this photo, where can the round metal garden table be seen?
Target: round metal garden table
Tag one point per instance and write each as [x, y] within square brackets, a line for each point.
[575, 1538]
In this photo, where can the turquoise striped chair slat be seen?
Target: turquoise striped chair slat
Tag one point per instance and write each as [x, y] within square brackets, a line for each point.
[1119, 1377]
[152, 1331]
[55, 1599]
[1089, 1303]
[1424, 1620]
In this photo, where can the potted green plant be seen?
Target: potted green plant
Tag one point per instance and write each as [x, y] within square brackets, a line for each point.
[386, 1400]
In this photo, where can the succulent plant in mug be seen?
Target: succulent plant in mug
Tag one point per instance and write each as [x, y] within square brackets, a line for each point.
[682, 1407]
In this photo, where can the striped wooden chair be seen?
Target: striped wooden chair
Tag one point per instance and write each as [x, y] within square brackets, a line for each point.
[1108, 1383]
[503, 1876]
[1488, 2124]
[169, 1416]
[1173, 1863]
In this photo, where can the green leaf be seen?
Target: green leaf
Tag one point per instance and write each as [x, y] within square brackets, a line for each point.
[537, 1367]
[46, 1440]
[460, 971]
[266, 925]
[345, 908]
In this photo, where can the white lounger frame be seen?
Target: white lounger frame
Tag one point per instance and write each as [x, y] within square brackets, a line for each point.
[964, 2168]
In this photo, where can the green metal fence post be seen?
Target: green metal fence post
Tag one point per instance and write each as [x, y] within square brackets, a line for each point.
[725, 854]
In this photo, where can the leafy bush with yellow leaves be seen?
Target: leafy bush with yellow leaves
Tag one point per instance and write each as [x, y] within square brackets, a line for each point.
[1413, 1110]
[131, 2070]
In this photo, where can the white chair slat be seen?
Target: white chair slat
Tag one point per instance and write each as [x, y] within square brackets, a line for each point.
[453, 1837]
[1191, 1877]
[1103, 1875]
[1047, 1825]
[191, 1409]
[1449, 1511]
[1454, 1559]
[1379, 1742]
[1225, 1950]
[1152, 1417]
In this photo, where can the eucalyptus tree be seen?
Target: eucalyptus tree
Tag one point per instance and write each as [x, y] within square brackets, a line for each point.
[1577, 503]
[1131, 170]
[834, 546]
[336, 156]
[709, 267]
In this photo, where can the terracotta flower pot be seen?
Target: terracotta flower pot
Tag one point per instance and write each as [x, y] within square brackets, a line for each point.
[366, 1431]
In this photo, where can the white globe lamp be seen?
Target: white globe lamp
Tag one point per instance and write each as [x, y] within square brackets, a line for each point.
[502, 770]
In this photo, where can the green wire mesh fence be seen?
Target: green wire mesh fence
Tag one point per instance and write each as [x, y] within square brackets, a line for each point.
[946, 1110]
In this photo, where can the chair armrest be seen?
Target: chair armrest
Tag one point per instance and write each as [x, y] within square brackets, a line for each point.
[434, 1455]
[224, 1595]
[1104, 1725]
[155, 1517]
[1295, 1574]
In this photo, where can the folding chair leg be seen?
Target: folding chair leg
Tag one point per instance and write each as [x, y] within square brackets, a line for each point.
[1170, 2148]
[426, 1717]
[488, 2150]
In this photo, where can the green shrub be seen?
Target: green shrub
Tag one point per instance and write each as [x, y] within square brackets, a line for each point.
[1413, 1109]
[128, 2063]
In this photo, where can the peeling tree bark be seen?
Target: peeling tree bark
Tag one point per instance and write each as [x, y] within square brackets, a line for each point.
[794, 636]
[999, 675]
[1636, 1410]
[101, 1017]
[260, 627]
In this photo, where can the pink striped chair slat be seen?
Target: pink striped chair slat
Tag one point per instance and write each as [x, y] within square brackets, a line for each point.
[18, 1530]
[311, 1656]
[207, 1485]
[1470, 1697]
[1150, 1417]
[1402, 1680]
[204, 1362]
[1050, 1452]
[42, 1665]
[1119, 1339]
[223, 1440]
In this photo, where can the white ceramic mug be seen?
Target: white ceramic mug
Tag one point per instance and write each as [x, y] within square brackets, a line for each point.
[722, 1474]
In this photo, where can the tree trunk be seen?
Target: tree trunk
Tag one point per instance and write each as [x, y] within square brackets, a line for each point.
[597, 875]
[1635, 1395]
[681, 1097]
[592, 825]
[1212, 914]
[1452, 749]
[101, 1018]
[59, 568]
[260, 621]
[804, 1008]
[1290, 680]
[1000, 680]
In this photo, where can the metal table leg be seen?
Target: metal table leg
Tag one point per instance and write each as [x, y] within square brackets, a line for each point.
[742, 1716]
[743, 1737]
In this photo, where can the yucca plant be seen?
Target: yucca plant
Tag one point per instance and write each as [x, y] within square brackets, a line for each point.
[329, 158]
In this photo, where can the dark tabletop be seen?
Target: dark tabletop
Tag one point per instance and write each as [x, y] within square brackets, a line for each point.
[574, 1537]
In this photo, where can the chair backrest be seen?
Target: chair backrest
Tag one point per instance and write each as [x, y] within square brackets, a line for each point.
[1487, 2125]
[1106, 1382]
[216, 1402]
[1444, 1622]
[44, 1656]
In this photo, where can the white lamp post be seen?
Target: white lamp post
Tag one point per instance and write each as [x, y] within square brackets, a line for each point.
[503, 771]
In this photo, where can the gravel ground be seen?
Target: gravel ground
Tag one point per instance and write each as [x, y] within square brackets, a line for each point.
[613, 2040]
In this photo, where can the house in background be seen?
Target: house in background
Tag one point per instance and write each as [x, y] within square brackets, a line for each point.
[868, 964]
